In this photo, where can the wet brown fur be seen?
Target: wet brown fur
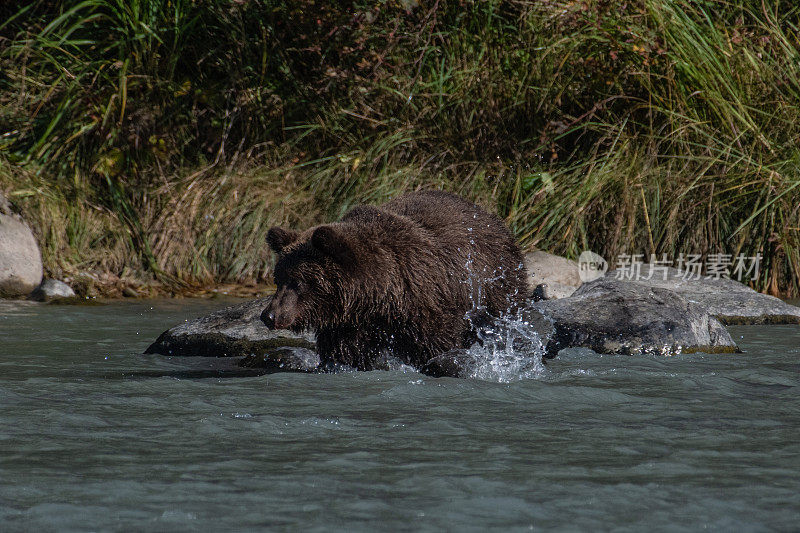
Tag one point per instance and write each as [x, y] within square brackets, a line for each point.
[399, 279]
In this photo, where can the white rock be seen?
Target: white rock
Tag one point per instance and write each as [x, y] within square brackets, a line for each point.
[553, 291]
[560, 276]
[20, 258]
[50, 289]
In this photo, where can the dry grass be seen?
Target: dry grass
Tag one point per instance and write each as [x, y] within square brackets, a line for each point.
[156, 142]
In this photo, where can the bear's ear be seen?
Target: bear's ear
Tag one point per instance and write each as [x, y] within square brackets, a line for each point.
[328, 240]
[279, 238]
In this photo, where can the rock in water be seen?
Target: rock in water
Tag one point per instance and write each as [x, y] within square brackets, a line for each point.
[51, 289]
[284, 358]
[728, 300]
[237, 331]
[612, 316]
[451, 364]
[20, 258]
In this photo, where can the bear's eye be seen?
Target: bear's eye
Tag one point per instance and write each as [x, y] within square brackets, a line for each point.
[296, 285]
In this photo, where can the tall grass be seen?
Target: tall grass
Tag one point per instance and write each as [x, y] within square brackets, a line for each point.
[661, 127]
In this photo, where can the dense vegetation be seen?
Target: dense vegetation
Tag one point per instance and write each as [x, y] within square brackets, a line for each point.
[158, 140]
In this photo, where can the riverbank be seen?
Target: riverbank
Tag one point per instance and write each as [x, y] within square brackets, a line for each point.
[156, 146]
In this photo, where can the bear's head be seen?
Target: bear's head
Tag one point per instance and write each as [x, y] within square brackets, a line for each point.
[311, 272]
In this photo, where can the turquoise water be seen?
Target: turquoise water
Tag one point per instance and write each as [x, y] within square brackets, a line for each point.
[97, 437]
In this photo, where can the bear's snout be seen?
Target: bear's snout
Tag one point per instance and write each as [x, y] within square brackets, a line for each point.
[274, 320]
[268, 318]
[281, 311]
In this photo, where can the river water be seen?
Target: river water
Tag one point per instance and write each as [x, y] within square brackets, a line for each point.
[95, 436]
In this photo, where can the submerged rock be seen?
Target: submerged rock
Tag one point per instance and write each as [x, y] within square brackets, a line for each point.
[20, 258]
[452, 364]
[235, 331]
[616, 317]
[728, 300]
[283, 358]
[51, 289]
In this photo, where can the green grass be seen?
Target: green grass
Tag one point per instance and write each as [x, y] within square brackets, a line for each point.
[165, 137]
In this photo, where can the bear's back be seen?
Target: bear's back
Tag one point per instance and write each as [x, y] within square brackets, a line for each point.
[436, 210]
[468, 239]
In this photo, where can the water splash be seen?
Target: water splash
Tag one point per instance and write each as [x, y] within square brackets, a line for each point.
[508, 349]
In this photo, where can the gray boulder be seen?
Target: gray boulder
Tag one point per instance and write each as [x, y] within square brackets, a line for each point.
[551, 276]
[237, 331]
[20, 258]
[616, 317]
[51, 289]
[728, 300]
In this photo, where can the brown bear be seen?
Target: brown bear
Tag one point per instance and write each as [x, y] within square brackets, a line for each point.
[402, 279]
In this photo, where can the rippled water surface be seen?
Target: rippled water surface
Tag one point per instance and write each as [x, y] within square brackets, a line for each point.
[96, 436]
